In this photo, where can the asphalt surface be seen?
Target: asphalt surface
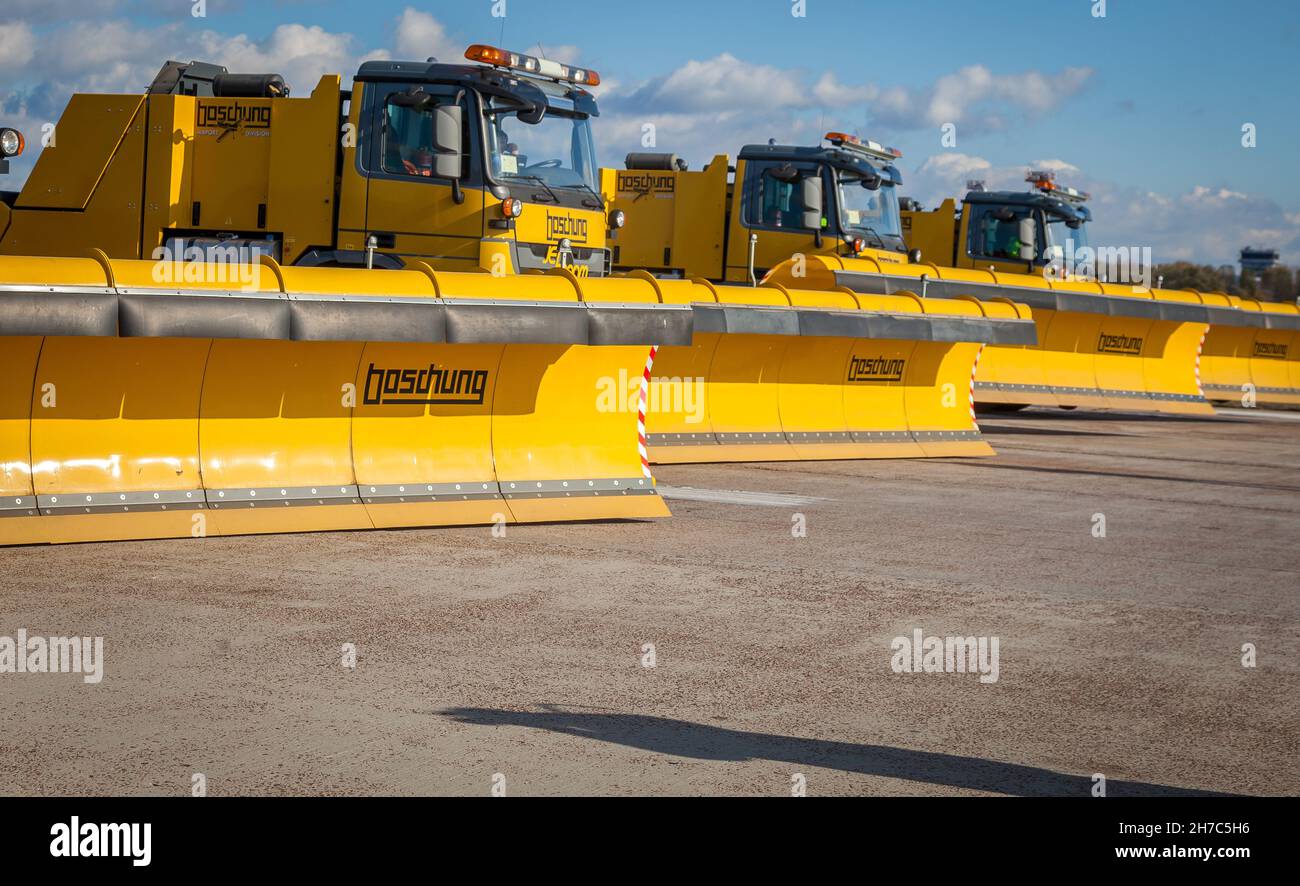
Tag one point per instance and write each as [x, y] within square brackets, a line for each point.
[520, 662]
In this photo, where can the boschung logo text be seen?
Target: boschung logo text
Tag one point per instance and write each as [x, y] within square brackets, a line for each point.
[876, 369]
[431, 386]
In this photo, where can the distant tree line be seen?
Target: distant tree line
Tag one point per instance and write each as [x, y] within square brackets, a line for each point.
[1280, 283]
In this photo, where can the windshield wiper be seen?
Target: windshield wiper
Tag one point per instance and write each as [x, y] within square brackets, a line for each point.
[598, 204]
[541, 181]
[880, 241]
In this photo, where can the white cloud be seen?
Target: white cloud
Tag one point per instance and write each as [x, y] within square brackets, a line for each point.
[300, 53]
[973, 95]
[17, 46]
[829, 91]
[943, 169]
[720, 85]
[418, 35]
[1057, 166]
[716, 105]
[979, 99]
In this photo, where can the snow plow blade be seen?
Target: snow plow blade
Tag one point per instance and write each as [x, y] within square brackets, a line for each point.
[1099, 345]
[784, 373]
[312, 399]
[1255, 362]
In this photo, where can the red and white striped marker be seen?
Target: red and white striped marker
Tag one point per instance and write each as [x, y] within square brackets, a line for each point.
[1199, 347]
[640, 415]
[974, 422]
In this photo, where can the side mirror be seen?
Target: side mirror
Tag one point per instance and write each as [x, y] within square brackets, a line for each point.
[447, 141]
[1028, 236]
[814, 204]
[415, 98]
[532, 115]
[784, 173]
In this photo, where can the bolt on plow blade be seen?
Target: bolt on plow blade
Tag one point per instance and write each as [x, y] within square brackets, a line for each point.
[788, 374]
[311, 400]
[1256, 363]
[1099, 345]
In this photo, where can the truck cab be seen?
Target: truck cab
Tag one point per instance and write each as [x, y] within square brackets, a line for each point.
[838, 198]
[1043, 231]
[489, 165]
[467, 166]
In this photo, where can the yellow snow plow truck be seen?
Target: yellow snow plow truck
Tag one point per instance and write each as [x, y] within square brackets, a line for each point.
[1109, 336]
[462, 166]
[226, 310]
[802, 366]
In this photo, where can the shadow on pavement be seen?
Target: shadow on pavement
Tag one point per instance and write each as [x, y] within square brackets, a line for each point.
[699, 741]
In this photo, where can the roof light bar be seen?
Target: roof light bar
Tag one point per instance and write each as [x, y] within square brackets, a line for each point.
[853, 143]
[1045, 181]
[531, 64]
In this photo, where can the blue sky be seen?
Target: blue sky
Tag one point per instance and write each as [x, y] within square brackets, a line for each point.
[1144, 107]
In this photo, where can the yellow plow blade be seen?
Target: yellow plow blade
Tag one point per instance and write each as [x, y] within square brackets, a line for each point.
[1254, 358]
[718, 399]
[424, 458]
[1274, 363]
[1172, 343]
[276, 437]
[558, 454]
[1017, 375]
[1225, 357]
[1098, 345]
[313, 399]
[18, 512]
[787, 371]
[1124, 346]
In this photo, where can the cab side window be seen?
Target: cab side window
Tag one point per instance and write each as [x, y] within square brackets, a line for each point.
[774, 195]
[995, 232]
[406, 139]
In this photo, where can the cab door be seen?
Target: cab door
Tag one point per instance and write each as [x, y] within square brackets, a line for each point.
[411, 212]
[1009, 239]
[784, 203]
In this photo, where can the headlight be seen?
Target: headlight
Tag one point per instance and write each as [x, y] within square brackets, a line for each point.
[617, 219]
[11, 142]
[512, 208]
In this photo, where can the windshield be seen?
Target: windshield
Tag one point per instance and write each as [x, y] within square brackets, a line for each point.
[863, 210]
[1066, 244]
[559, 150]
